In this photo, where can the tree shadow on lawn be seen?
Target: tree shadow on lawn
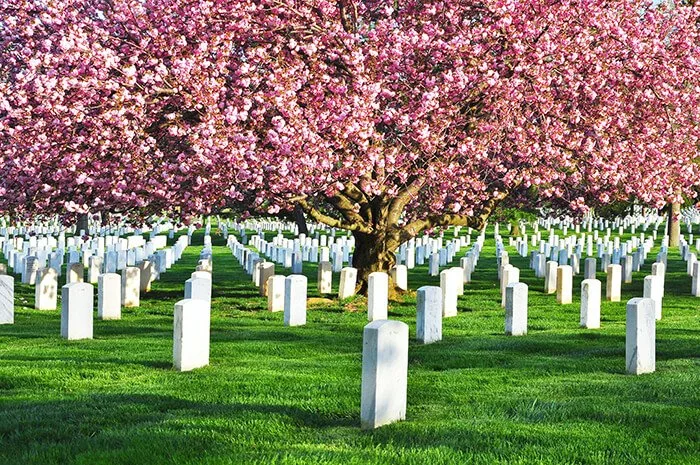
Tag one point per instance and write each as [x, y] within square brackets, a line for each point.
[101, 423]
[102, 329]
[296, 342]
[87, 361]
[572, 353]
[146, 423]
[584, 352]
[547, 432]
[135, 340]
[163, 295]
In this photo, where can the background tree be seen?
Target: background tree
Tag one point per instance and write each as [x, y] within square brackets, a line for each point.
[385, 119]
[514, 216]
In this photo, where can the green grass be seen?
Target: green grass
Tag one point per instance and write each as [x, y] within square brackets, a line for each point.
[292, 395]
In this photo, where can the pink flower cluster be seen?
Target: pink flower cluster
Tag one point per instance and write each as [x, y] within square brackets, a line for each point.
[144, 106]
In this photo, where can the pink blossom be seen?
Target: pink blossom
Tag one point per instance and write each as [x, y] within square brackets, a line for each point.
[145, 106]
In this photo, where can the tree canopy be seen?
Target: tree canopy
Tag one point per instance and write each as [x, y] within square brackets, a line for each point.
[384, 118]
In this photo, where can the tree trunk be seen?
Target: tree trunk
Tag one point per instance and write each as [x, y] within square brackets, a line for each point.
[82, 224]
[515, 229]
[300, 220]
[674, 225]
[374, 252]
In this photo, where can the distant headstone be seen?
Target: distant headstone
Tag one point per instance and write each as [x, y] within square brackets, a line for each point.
[131, 285]
[46, 291]
[589, 268]
[109, 296]
[94, 268]
[659, 269]
[692, 259]
[516, 309]
[429, 314]
[256, 266]
[458, 273]
[627, 264]
[198, 287]
[509, 275]
[110, 263]
[590, 303]
[434, 264]
[325, 277]
[275, 293]
[565, 282]
[504, 262]
[7, 300]
[399, 275]
[466, 263]
[295, 300]
[540, 265]
[348, 282]
[654, 291]
[410, 258]
[613, 285]
[75, 273]
[267, 270]
[148, 275]
[377, 296]
[563, 257]
[695, 280]
[449, 285]
[205, 264]
[575, 264]
[30, 270]
[550, 277]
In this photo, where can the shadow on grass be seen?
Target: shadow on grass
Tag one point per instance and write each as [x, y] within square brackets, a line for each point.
[86, 360]
[150, 428]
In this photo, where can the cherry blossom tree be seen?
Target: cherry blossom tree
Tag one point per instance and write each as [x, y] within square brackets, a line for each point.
[383, 118]
[673, 209]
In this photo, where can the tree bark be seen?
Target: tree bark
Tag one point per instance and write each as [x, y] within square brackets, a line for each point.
[374, 252]
[300, 220]
[82, 224]
[377, 227]
[515, 228]
[674, 225]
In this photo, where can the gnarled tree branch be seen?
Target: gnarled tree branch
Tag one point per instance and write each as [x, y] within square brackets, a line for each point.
[348, 15]
[478, 221]
[317, 215]
[396, 207]
[346, 207]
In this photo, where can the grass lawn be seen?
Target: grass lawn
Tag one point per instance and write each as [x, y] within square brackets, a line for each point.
[276, 395]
